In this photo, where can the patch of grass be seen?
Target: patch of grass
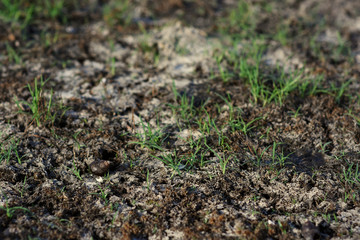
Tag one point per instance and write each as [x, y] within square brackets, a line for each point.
[76, 171]
[351, 174]
[282, 34]
[259, 155]
[183, 106]
[117, 13]
[241, 21]
[223, 161]
[22, 12]
[338, 92]
[196, 156]
[9, 150]
[13, 56]
[284, 85]
[271, 85]
[279, 159]
[103, 194]
[240, 124]
[311, 86]
[13, 11]
[43, 110]
[266, 87]
[150, 138]
[172, 161]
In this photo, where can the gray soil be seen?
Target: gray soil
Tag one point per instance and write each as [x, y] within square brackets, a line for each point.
[118, 85]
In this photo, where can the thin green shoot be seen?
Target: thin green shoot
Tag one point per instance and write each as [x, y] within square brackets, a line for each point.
[150, 138]
[103, 194]
[259, 156]
[223, 161]
[13, 56]
[240, 124]
[11, 210]
[172, 161]
[351, 174]
[75, 170]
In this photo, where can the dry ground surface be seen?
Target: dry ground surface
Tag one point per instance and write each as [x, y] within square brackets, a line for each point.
[179, 119]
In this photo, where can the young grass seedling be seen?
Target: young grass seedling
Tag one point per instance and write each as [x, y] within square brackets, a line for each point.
[224, 73]
[323, 147]
[194, 156]
[41, 110]
[223, 161]
[240, 124]
[148, 183]
[6, 153]
[74, 169]
[172, 161]
[23, 187]
[296, 113]
[13, 56]
[185, 108]
[103, 194]
[229, 104]
[338, 92]
[259, 156]
[284, 85]
[35, 105]
[11, 210]
[117, 12]
[77, 143]
[221, 137]
[351, 174]
[150, 138]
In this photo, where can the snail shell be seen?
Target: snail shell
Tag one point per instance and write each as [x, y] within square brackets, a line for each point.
[99, 167]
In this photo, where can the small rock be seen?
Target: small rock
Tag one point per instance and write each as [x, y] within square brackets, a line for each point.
[99, 167]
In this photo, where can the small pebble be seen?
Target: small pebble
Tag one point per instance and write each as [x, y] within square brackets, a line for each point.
[99, 167]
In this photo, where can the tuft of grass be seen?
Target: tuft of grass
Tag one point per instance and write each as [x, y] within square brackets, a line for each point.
[241, 21]
[9, 150]
[223, 161]
[173, 161]
[117, 13]
[351, 174]
[43, 110]
[20, 13]
[259, 155]
[183, 108]
[240, 124]
[150, 138]
[13, 12]
[13, 56]
[338, 92]
[103, 194]
[275, 85]
[282, 34]
[75, 170]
